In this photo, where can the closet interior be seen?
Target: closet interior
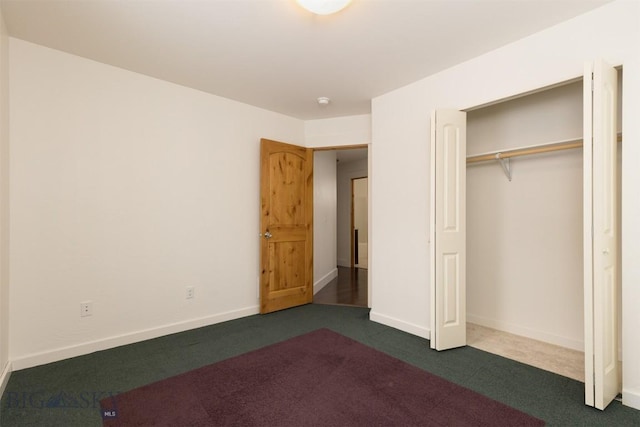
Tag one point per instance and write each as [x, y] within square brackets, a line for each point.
[525, 290]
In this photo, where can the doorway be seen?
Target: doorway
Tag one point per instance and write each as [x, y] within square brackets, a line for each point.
[349, 283]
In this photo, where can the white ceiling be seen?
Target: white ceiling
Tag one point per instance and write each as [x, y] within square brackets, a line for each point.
[274, 55]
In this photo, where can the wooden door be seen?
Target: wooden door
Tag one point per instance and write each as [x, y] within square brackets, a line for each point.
[286, 225]
[602, 383]
[448, 229]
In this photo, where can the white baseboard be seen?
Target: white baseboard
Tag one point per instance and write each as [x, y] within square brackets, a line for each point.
[344, 263]
[400, 324]
[4, 377]
[527, 332]
[324, 281]
[631, 398]
[42, 358]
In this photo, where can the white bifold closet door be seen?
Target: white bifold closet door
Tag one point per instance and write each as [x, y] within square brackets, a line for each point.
[602, 382]
[448, 233]
[448, 229]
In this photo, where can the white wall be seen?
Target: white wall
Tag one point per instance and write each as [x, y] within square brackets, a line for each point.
[631, 230]
[346, 172]
[400, 123]
[124, 191]
[5, 366]
[324, 219]
[339, 131]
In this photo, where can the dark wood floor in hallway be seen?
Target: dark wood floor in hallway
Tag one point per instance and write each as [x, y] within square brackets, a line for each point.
[349, 288]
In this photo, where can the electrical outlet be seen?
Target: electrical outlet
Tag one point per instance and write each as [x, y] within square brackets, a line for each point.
[86, 309]
[191, 292]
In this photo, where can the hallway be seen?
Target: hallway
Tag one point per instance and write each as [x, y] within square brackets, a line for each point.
[349, 288]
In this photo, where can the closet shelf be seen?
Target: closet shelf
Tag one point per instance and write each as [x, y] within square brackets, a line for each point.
[504, 156]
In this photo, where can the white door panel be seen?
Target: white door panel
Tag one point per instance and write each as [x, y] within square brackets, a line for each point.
[448, 229]
[601, 275]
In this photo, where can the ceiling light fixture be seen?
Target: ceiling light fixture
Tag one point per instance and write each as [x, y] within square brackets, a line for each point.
[324, 7]
[323, 100]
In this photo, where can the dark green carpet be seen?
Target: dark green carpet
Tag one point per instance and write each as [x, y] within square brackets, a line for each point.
[66, 393]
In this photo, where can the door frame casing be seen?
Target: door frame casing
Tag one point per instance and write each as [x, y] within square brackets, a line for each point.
[353, 224]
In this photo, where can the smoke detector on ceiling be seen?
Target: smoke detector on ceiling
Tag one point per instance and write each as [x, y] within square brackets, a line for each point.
[323, 100]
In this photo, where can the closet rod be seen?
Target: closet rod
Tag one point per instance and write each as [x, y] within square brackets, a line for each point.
[524, 151]
[533, 149]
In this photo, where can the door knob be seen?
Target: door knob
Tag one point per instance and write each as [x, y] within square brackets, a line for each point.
[267, 235]
[605, 251]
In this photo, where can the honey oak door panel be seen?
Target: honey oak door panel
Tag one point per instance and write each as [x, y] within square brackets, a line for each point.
[286, 249]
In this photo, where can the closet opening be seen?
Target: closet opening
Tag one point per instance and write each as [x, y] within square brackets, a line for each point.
[525, 278]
